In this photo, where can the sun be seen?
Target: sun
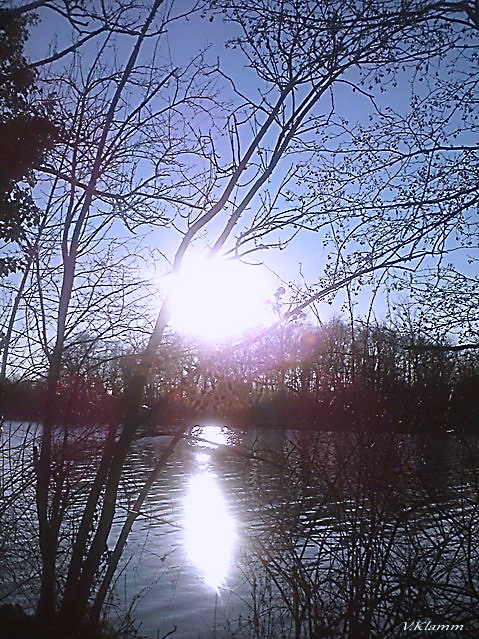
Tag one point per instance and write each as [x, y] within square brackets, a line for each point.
[216, 299]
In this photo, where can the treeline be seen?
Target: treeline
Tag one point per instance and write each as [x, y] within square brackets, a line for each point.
[343, 377]
[334, 377]
[82, 399]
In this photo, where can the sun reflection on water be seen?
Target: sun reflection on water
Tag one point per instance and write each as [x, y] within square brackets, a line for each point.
[203, 459]
[211, 436]
[210, 531]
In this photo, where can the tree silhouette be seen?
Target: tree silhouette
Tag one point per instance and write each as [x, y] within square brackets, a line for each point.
[27, 131]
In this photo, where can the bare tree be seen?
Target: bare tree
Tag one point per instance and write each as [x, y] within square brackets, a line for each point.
[398, 186]
[142, 149]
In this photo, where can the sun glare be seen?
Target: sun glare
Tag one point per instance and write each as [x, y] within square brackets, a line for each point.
[210, 533]
[217, 299]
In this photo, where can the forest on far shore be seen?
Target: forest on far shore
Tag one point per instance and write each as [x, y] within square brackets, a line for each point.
[337, 376]
[146, 147]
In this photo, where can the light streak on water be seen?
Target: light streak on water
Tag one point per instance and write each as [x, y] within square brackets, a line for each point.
[210, 531]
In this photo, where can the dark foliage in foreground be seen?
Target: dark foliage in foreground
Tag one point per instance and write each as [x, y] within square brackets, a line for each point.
[27, 131]
[362, 532]
[16, 624]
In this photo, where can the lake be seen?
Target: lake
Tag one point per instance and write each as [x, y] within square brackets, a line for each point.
[272, 534]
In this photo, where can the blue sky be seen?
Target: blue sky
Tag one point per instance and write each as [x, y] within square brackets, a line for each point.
[303, 259]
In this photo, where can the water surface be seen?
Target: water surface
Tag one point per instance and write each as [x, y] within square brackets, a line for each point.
[278, 534]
